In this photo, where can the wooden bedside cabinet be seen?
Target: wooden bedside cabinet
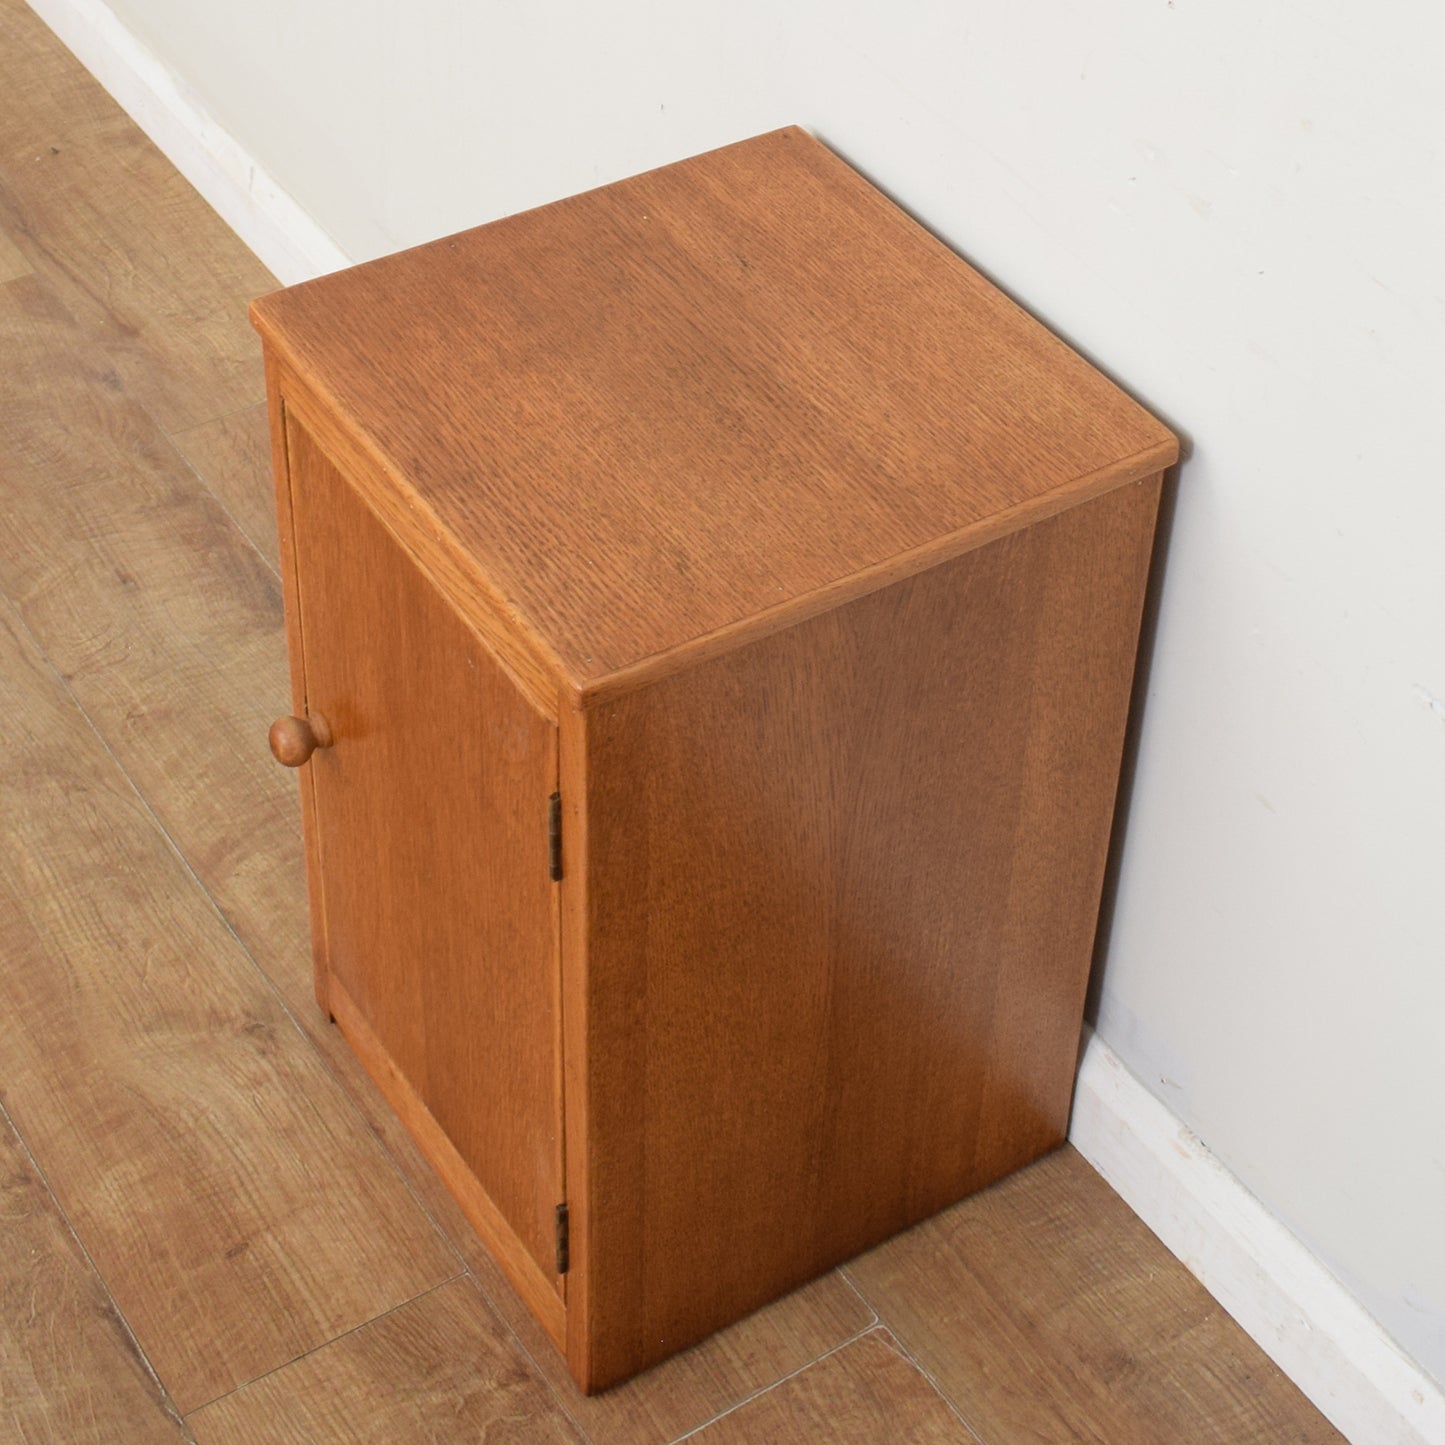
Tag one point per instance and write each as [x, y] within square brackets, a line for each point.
[712, 612]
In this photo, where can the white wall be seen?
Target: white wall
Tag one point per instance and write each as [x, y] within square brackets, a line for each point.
[1237, 209]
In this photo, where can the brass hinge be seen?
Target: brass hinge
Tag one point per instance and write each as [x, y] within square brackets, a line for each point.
[554, 837]
[563, 1241]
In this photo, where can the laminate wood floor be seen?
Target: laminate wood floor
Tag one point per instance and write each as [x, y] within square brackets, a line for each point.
[211, 1228]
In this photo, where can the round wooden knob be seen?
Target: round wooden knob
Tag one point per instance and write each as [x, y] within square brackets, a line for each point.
[294, 739]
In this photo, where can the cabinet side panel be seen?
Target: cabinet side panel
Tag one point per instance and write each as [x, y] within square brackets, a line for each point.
[842, 890]
[431, 816]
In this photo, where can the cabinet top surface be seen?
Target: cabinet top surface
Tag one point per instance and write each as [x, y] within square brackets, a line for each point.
[664, 412]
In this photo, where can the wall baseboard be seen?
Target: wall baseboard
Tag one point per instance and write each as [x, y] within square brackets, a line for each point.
[1283, 1297]
[246, 197]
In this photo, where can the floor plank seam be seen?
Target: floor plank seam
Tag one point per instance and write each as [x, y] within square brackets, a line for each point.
[527, 1354]
[326, 1344]
[220, 415]
[372, 1131]
[842, 1273]
[167, 1403]
[266, 980]
[375, 1134]
[230, 516]
[937, 1387]
[769, 1388]
[210, 491]
[336, 1077]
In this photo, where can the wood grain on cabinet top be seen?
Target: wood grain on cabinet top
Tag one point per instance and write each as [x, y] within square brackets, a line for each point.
[694, 405]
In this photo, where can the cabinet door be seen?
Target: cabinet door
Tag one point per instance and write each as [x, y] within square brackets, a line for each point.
[431, 825]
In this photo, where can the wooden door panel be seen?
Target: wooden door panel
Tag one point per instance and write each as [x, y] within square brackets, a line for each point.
[431, 828]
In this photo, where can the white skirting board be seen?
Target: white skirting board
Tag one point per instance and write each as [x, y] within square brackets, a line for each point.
[265, 217]
[1297, 1312]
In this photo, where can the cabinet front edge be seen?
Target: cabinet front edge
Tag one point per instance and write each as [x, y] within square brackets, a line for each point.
[447, 565]
[1135, 470]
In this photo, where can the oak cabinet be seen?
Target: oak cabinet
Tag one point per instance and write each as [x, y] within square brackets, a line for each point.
[712, 611]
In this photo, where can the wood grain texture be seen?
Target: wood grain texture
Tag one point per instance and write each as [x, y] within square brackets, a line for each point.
[276, 420]
[859, 1395]
[69, 1372]
[840, 890]
[441, 1369]
[159, 613]
[12, 263]
[579, 1030]
[449, 568]
[684, 1392]
[535, 1280]
[232, 456]
[1047, 1311]
[162, 284]
[711, 391]
[151, 602]
[431, 828]
[225, 1190]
